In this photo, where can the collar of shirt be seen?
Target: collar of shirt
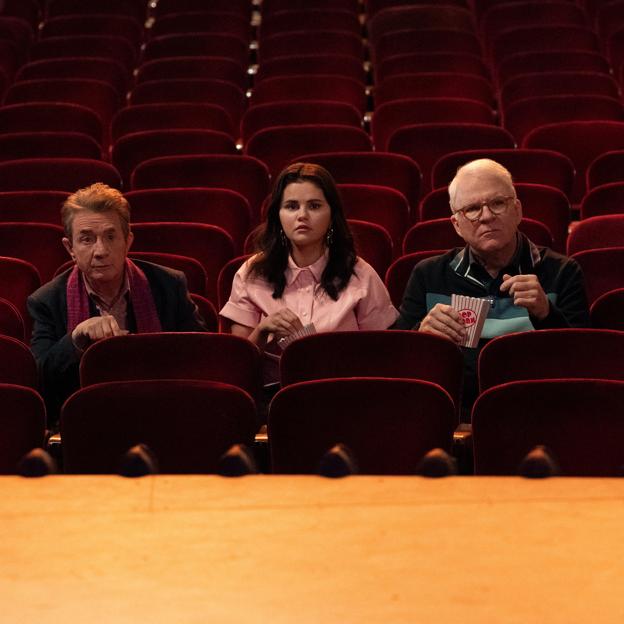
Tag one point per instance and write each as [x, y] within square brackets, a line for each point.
[316, 269]
[525, 259]
[103, 305]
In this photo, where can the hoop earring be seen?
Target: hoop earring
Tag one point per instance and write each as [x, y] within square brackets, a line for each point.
[330, 236]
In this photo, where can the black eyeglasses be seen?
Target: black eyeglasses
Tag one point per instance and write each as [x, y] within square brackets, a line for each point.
[497, 205]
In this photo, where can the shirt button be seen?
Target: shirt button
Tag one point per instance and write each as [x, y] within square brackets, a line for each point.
[304, 314]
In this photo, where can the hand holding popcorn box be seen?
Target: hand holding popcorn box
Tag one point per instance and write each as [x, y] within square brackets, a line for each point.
[473, 312]
[308, 330]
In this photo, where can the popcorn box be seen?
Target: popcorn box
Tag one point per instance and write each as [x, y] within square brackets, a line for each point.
[308, 330]
[473, 312]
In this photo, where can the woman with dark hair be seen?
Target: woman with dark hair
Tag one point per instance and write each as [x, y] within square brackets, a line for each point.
[306, 277]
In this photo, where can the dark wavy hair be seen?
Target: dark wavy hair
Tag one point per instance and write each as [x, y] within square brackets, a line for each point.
[272, 260]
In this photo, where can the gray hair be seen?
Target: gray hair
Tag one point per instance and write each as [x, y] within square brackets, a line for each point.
[480, 163]
[96, 198]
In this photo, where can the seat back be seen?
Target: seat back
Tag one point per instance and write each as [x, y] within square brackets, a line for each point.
[279, 145]
[423, 62]
[426, 143]
[48, 144]
[168, 355]
[22, 422]
[529, 62]
[396, 18]
[579, 420]
[379, 168]
[412, 41]
[248, 176]
[497, 19]
[55, 174]
[96, 95]
[171, 115]
[225, 94]
[373, 243]
[50, 116]
[602, 270]
[207, 311]
[297, 42]
[603, 200]
[237, 7]
[188, 424]
[400, 270]
[209, 244]
[226, 277]
[221, 207]
[551, 353]
[17, 364]
[434, 84]
[293, 113]
[194, 67]
[206, 21]
[392, 115]
[198, 44]
[522, 116]
[606, 168]
[133, 149]
[107, 70]
[545, 83]
[37, 243]
[106, 46]
[329, 87]
[399, 354]
[580, 141]
[542, 37]
[126, 26]
[312, 64]
[534, 166]
[18, 279]
[389, 424]
[607, 312]
[597, 232]
[137, 10]
[11, 321]
[193, 269]
[377, 204]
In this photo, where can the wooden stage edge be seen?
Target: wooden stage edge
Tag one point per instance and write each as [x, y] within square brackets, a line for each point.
[308, 550]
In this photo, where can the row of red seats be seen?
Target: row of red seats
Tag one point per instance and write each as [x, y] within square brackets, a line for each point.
[300, 430]
[268, 143]
[544, 179]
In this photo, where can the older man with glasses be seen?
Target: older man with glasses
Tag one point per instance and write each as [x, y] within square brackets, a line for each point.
[528, 287]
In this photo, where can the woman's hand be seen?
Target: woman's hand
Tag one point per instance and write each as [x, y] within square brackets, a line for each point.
[281, 323]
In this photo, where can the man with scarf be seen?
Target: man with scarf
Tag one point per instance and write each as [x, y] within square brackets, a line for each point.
[104, 294]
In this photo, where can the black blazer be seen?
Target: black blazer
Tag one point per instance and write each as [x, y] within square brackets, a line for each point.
[57, 357]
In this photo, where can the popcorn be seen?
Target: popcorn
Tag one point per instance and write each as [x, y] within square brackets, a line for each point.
[473, 312]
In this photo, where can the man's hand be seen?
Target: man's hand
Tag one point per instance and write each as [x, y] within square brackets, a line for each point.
[445, 321]
[527, 293]
[96, 328]
[281, 323]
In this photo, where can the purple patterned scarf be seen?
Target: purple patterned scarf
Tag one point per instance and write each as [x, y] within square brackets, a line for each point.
[140, 297]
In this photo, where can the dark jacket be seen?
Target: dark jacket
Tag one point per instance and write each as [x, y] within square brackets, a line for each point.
[57, 357]
[435, 279]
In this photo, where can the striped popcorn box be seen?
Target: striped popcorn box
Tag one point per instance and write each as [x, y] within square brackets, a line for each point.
[308, 330]
[473, 312]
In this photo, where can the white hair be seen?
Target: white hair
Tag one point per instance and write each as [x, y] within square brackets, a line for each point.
[476, 165]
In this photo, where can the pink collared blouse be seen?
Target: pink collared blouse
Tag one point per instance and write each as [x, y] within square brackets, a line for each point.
[363, 304]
